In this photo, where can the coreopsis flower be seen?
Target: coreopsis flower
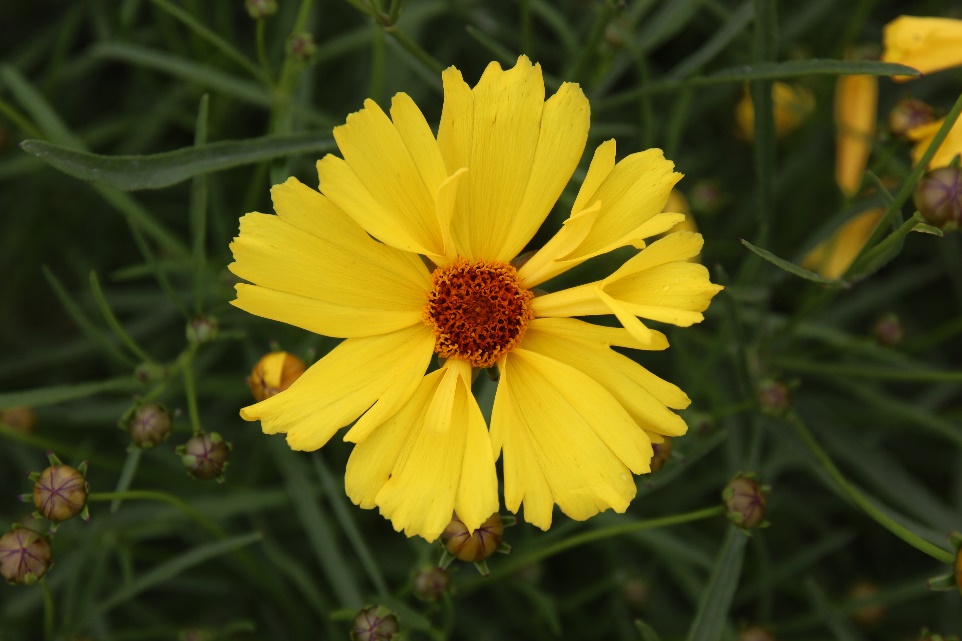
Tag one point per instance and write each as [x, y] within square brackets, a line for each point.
[274, 373]
[927, 44]
[948, 150]
[856, 107]
[792, 105]
[833, 256]
[408, 251]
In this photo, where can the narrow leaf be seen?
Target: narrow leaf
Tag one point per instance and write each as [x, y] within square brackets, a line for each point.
[716, 599]
[61, 393]
[792, 268]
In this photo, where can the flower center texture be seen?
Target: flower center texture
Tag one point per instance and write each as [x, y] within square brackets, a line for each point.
[478, 311]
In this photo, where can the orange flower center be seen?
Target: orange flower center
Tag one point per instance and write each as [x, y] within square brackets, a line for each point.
[478, 311]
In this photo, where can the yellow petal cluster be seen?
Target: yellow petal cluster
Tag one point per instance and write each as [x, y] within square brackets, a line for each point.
[927, 44]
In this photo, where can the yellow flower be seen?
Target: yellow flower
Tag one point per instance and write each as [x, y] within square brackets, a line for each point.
[792, 105]
[833, 256]
[927, 44]
[923, 137]
[274, 373]
[678, 204]
[856, 106]
[406, 252]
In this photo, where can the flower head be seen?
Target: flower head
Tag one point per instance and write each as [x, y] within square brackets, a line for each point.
[856, 105]
[928, 44]
[274, 373]
[408, 251]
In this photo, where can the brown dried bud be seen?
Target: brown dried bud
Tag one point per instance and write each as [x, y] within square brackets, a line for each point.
[60, 493]
[662, 452]
[908, 114]
[430, 582]
[25, 556]
[745, 502]
[888, 330]
[274, 373]
[476, 546]
[19, 419]
[774, 398]
[375, 623]
[149, 425]
[938, 196]
[205, 456]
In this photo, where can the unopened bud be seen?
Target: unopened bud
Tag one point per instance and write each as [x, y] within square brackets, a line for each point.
[662, 452]
[149, 425]
[260, 9]
[870, 614]
[888, 330]
[907, 114]
[25, 556]
[274, 373]
[60, 493]
[19, 419]
[202, 329]
[429, 583]
[938, 196]
[706, 197]
[205, 456]
[774, 398]
[301, 47]
[636, 592]
[755, 633]
[375, 623]
[473, 546]
[745, 502]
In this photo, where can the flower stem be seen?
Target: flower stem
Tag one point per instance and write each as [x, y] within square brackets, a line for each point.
[190, 390]
[48, 611]
[861, 501]
[163, 497]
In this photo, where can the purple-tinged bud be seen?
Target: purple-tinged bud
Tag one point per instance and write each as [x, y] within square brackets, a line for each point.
[938, 196]
[706, 197]
[205, 456]
[149, 425]
[477, 546]
[637, 592]
[301, 47]
[774, 398]
[202, 329]
[375, 623]
[909, 114]
[888, 330]
[745, 501]
[260, 9]
[60, 493]
[662, 452]
[429, 583]
[25, 556]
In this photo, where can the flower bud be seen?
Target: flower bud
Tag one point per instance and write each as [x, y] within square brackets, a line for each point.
[25, 556]
[202, 329]
[260, 9]
[907, 114]
[888, 330]
[205, 456]
[774, 398]
[938, 196]
[866, 615]
[754, 633]
[19, 419]
[476, 546]
[429, 583]
[706, 197]
[745, 502]
[60, 493]
[374, 623]
[274, 373]
[662, 454]
[301, 47]
[149, 425]
[636, 592]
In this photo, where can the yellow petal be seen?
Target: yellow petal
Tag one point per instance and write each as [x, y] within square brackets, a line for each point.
[419, 140]
[927, 44]
[440, 411]
[833, 256]
[555, 423]
[950, 148]
[792, 104]
[641, 393]
[456, 129]
[574, 329]
[477, 496]
[671, 288]
[856, 99]
[602, 164]
[546, 263]
[341, 386]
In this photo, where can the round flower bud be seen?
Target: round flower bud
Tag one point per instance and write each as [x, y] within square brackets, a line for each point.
[301, 47]
[274, 373]
[375, 623]
[706, 197]
[60, 493]
[205, 456]
[636, 592]
[754, 633]
[19, 419]
[745, 502]
[888, 330]
[149, 425]
[429, 583]
[938, 196]
[773, 397]
[866, 615]
[907, 114]
[25, 556]
[476, 546]
[260, 9]
[662, 454]
[202, 329]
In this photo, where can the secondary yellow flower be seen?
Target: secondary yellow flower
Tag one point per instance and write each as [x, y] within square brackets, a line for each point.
[856, 107]
[678, 204]
[948, 150]
[927, 44]
[406, 252]
[792, 105]
[833, 256]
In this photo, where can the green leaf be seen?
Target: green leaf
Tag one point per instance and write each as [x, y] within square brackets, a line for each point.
[716, 599]
[61, 393]
[810, 67]
[925, 228]
[155, 171]
[841, 627]
[646, 631]
[792, 268]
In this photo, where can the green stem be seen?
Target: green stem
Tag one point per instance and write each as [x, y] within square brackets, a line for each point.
[163, 497]
[114, 324]
[262, 55]
[48, 611]
[190, 390]
[415, 50]
[862, 502]
[871, 372]
[869, 256]
[19, 120]
[126, 475]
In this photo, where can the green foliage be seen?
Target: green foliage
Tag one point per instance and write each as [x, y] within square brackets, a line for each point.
[180, 114]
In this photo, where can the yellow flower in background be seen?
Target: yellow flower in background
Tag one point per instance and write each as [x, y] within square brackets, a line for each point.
[948, 150]
[792, 104]
[274, 373]
[927, 44]
[856, 107]
[678, 204]
[833, 256]
[406, 252]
